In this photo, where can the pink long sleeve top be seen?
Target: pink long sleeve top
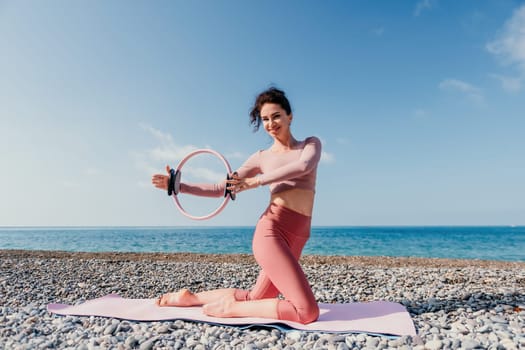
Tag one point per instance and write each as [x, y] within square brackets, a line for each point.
[295, 168]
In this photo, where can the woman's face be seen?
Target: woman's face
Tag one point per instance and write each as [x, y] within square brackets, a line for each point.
[275, 120]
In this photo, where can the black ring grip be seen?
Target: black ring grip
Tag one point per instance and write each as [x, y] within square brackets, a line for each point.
[174, 182]
[227, 190]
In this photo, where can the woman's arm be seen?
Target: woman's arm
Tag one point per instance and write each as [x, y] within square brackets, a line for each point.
[160, 181]
[250, 168]
[203, 190]
[308, 160]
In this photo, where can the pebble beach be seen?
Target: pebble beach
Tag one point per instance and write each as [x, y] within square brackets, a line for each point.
[455, 304]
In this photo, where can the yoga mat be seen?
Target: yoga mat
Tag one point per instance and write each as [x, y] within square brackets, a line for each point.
[377, 317]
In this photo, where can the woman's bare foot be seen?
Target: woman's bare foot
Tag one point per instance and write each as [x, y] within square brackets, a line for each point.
[181, 298]
[221, 308]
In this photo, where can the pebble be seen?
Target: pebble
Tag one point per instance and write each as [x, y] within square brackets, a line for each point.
[110, 329]
[131, 341]
[361, 338]
[434, 345]
[484, 329]
[468, 344]
[342, 346]
[163, 329]
[372, 342]
[147, 345]
[452, 308]
[294, 335]
[508, 344]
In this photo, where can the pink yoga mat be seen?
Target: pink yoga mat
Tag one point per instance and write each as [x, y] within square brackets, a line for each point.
[377, 317]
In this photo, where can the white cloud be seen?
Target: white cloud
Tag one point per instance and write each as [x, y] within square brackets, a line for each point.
[144, 184]
[378, 31]
[342, 140]
[419, 113]
[509, 47]
[167, 151]
[235, 155]
[424, 5]
[159, 135]
[327, 157]
[93, 171]
[144, 164]
[170, 153]
[474, 21]
[472, 92]
[510, 84]
[71, 184]
[205, 174]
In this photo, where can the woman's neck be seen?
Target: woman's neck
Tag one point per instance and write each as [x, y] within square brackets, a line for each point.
[284, 144]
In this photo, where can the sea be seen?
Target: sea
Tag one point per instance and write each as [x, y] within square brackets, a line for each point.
[504, 243]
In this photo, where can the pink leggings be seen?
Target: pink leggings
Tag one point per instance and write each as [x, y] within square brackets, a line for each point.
[279, 238]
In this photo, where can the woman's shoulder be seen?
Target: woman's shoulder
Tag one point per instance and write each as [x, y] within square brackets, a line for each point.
[312, 139]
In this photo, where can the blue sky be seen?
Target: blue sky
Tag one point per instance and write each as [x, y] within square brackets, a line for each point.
[419, 104]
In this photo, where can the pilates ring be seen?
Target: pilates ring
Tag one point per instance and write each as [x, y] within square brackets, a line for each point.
[174, 184]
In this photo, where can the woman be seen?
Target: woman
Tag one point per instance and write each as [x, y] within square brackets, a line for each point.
[289, 167]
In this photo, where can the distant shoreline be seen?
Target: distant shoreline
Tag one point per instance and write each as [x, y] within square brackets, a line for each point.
[375, 261]
[471, 243]
[244, 226]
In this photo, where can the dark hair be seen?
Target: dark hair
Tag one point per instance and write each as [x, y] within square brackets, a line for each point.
[272, 95]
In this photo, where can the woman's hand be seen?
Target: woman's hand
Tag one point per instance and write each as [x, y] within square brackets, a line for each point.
[237, 184]
[161, 181]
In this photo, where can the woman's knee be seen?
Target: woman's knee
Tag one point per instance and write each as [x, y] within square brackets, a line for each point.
[304, 314]
[309, 314]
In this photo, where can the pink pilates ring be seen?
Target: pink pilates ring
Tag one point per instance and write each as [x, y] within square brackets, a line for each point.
[175, 179]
